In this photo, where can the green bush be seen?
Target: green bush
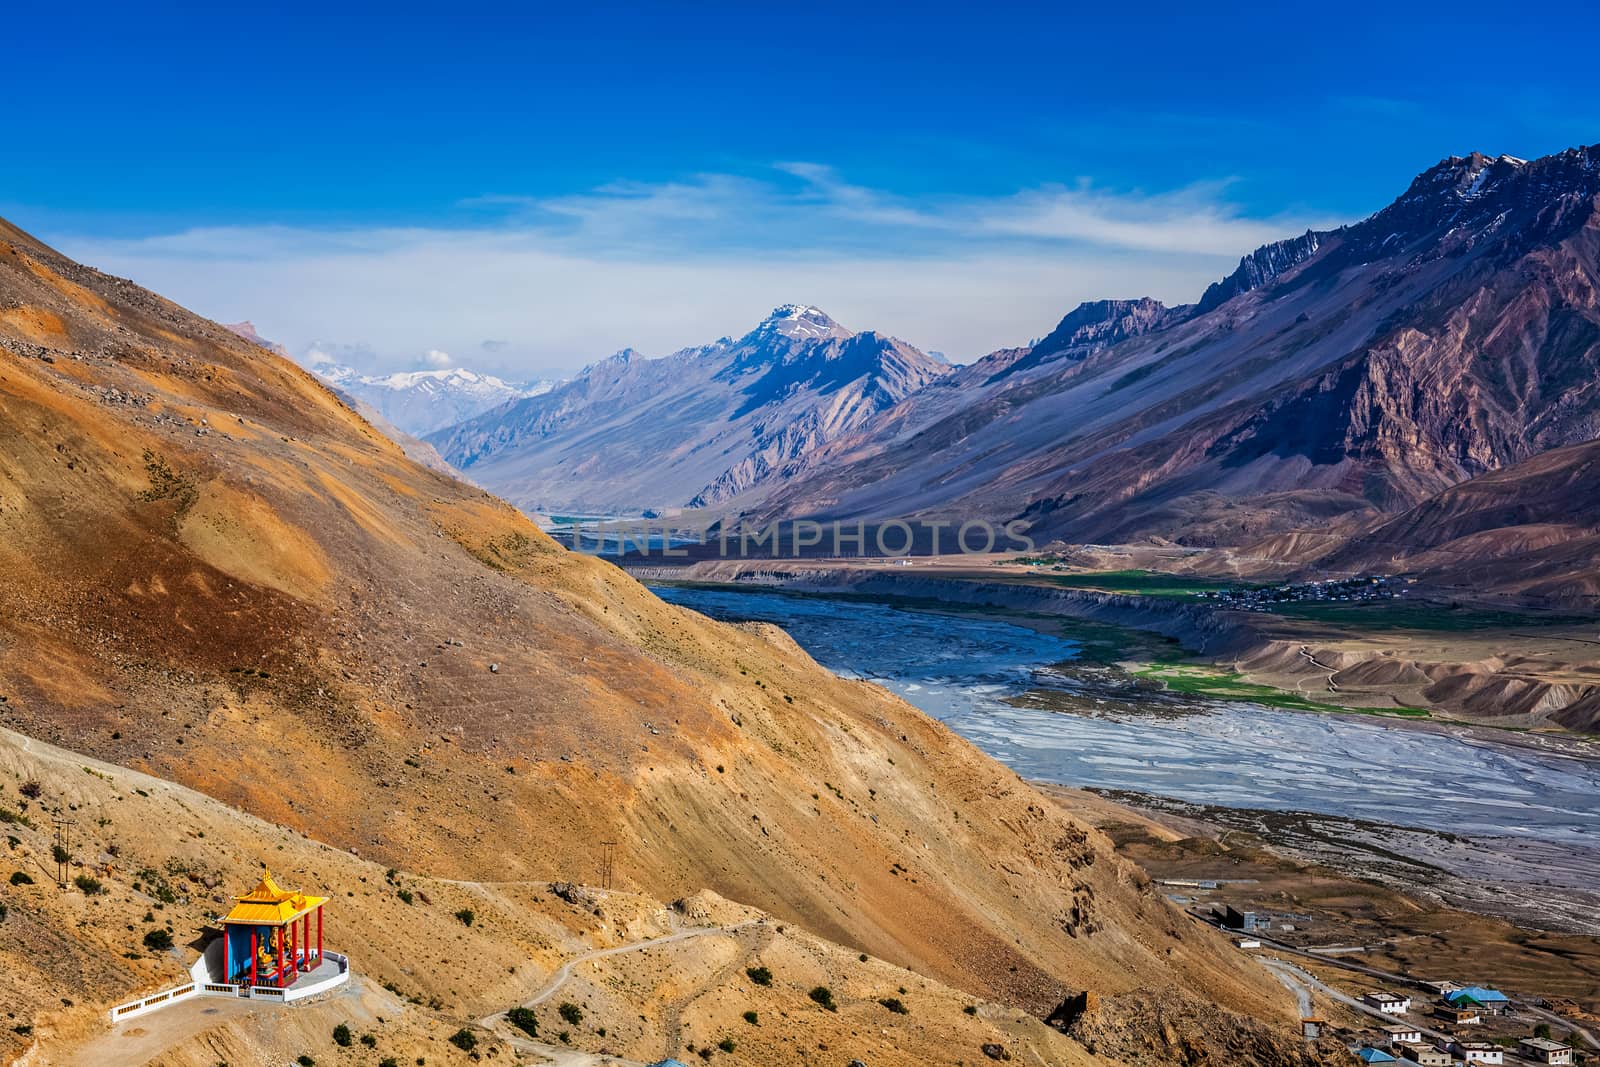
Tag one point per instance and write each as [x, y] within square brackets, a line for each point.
[759, 975]
[341, 1035]
[90, 886]
[369, 1041]
[466, 916]
[752, 1018]
[20, 878]
[525, 1020]
[464, 1039]
[726, 1044]
[570, 1012]
[405, 895]
[894, 1004]
[824, 996]
[158, 940]
[306, 1061]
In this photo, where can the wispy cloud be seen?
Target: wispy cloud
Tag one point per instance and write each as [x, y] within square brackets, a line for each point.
[558, 281]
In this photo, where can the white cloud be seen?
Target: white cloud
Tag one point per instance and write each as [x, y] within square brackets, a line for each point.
[560, 281]
[437, 359]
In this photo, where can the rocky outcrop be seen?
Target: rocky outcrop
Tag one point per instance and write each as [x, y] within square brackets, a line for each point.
[1261, 267]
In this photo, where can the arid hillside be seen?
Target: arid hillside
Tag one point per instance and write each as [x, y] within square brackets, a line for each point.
[218, 574]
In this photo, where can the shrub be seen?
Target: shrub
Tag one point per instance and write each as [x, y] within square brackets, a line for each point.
[464, 1039]
[158, 940]
[31, 790]
[759, 975]
[341, 1035]
[21, 878]
[89, 885]
[306, 1061]
[405, 895]
[466, 916]
[525, 1020]
[894, 1005]
[3, 913]
[752, 1018]
[570, 1012]
[971, 1009]
[390, 1061]
[824, 996]
[59, 854]
[369, 1041]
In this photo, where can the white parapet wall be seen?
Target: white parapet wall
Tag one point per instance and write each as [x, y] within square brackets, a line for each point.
[200, 985]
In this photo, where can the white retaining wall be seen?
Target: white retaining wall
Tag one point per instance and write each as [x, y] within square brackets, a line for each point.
[198, 986]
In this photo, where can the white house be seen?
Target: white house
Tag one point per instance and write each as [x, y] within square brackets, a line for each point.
[1485, 1052]
[1388, 1003]
[1401, 1034]
[1543, 1050]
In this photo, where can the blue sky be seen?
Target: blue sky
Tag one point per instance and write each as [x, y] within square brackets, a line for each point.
[529, 190]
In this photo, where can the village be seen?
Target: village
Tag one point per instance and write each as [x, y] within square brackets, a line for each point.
[1359, 589]
[1434, 1022]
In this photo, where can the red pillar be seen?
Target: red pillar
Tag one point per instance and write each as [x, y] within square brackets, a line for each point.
[255, 950]
[279, 940]
[305, 938]
[319, 935]
[227, 954]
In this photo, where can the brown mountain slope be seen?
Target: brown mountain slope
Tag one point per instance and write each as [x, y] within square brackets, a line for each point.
[1350, 373]
[1532, 528]
[217, 573]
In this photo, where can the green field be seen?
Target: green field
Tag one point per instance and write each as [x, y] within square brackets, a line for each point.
[1218, 684]
[1141, 583]
[1418, 615]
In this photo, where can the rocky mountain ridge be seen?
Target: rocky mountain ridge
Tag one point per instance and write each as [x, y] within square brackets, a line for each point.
[693, 428]
[1336, 377]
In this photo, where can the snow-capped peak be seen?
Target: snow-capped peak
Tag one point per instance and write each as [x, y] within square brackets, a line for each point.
[801, 321]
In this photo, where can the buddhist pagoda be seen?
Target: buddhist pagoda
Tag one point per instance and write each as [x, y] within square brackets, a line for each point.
[268, 938]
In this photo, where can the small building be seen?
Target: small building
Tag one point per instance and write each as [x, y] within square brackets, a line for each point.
[1485, 1052]
[1440, 988]
[1492, 1001]
[1424, 1055]
[1373, 1055]
[267, 937]
[1388, 1003]
[1402, 1034]
[1234, 919]
[1543, 1050]
[1460, 1014]
[1248, 942]
[1311, 1027]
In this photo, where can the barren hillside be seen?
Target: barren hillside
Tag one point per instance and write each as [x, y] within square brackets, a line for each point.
[218, 574]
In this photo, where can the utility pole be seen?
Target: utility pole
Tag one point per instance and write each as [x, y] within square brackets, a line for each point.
[63, 849]
[608, 856]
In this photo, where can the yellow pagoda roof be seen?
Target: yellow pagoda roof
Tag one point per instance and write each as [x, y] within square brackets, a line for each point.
[268, 905]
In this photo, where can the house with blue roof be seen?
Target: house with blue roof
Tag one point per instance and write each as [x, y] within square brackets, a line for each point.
[1375, 1055]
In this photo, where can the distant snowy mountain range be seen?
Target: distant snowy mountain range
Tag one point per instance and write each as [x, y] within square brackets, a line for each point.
[422, 401]
[416, 402]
